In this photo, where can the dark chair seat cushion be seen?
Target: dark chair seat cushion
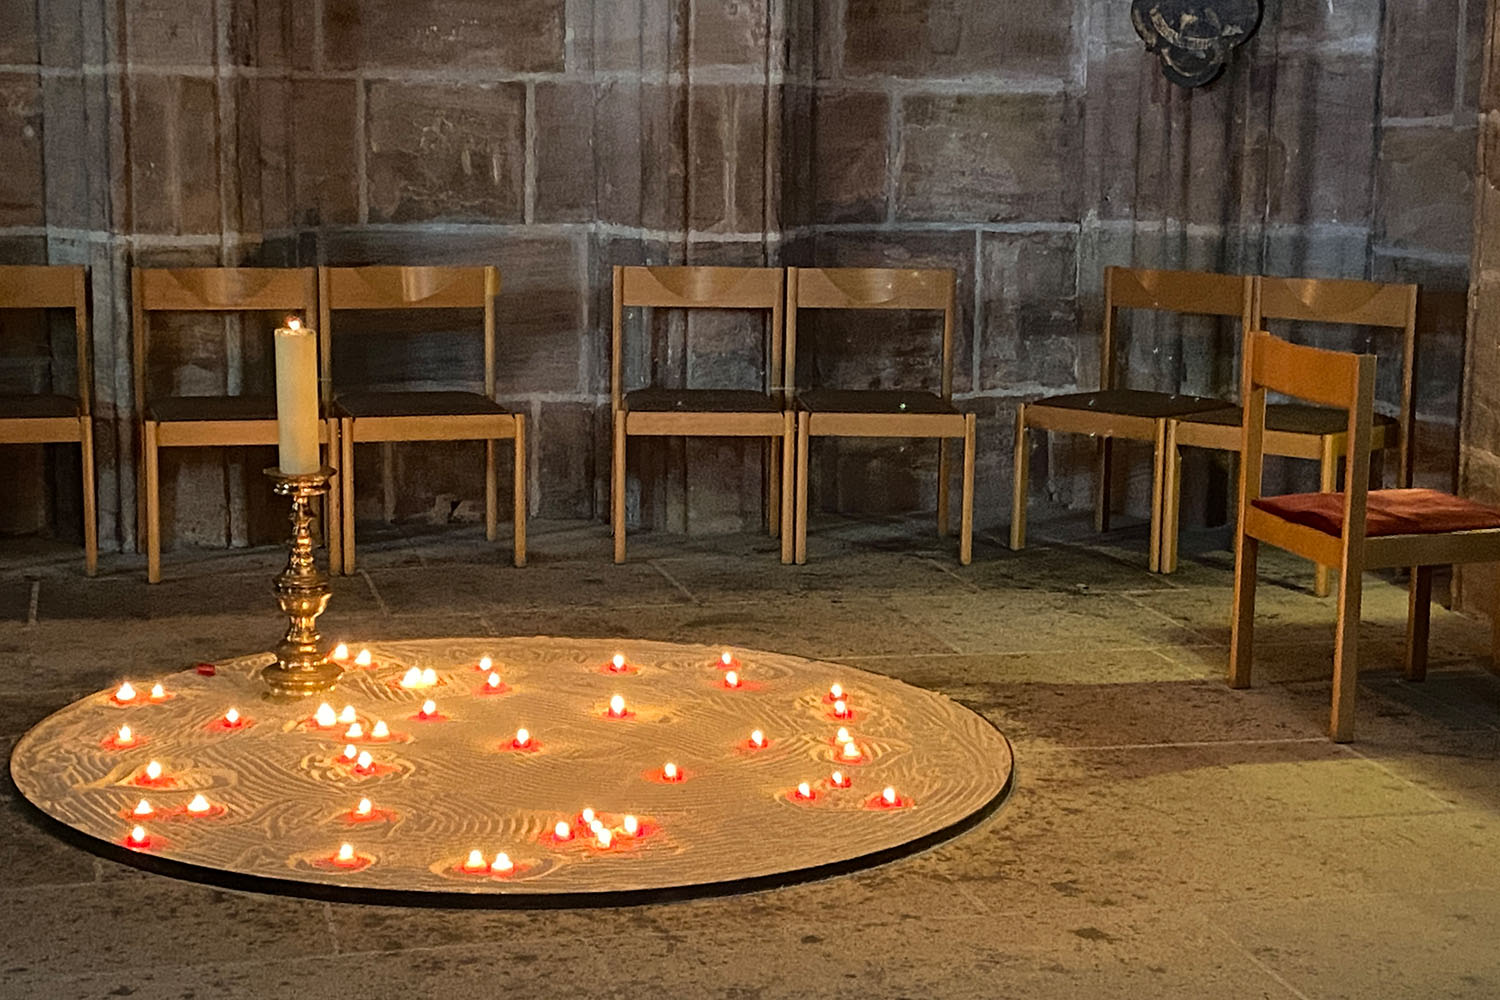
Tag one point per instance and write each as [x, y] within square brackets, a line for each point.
[656, 400]
[895, 401]
[1134, 403]
[415, 404]
[1389, 512]
[1292, 418]
[37, 406]
[177, 409]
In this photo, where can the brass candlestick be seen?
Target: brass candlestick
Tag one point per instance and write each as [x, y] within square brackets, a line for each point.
[302, 665]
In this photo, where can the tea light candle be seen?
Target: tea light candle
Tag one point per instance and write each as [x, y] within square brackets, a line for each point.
[888, 796]
[732, 679]
[124, 738]
[617, 662]
[429, 709]
[604, 837]
[199, 805]
[153, 771]
[429, 677]
[346, 714]
[325, 717]
[851, 751]
[492, 682]
[296, 398]
[841, 709]
[804, 790]
[836, 691]
[562, 831]
[138, 837]
[617, 706]
[363, 659]
[475, 862]
[670, 773]
[142, 808]
[380, 731]
[364, 763]
[588, 817]
[757, 738]
[839, 779]
[502, 865]
[354, 732]
[412, 678]
[351, 753]
[522, 740]
[596, 825]
[842, 736]
[158, 693]
[485, 664]
[364, 808]
[125, 694]
[232, 718]
[726, 658]
[345, 855]
[340, 652]
[631, 825]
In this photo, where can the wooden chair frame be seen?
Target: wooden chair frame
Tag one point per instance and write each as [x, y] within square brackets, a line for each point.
[395, 288]
[704, 287]
[1319, 300]
[1188, 293]
[1346, 381]
[210, 290]
[894, 289]
[54, 287]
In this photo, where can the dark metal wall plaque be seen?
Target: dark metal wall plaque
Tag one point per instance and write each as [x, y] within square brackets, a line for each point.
[1194, 38]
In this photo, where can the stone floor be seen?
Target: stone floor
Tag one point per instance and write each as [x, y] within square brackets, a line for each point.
[1167, 837]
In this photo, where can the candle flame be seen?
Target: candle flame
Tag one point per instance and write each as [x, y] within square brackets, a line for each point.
[380, 730]
[293, 323]
[804, 790]
[124, 737]
[523, 737]
[562, 831]
[758, 738]
[429, 677]
[616, 705]
[492, 681]
[138, 835]
[485, 663]
[631, 824]
[346, 714]
[232, 717]
[412, 678]
[363, 659]
[341, 652]
[125, 693]
[199, 804]
[158, 692]
[153, 771]
[364, 761]
[837, 690]
[350, 751]
[851, 751]
[732, 679]
[429, 707]
[325, 718]
[888, 796]
[617, 661]
[588, 817]
[837, 778]
[725, 658]
[604, 837]
[502, 864]
[346, 852]
[364, 808]
[669, 771]
[841, 709]
[842, 736]
[354, 732]
[142, 808]
[475, 861]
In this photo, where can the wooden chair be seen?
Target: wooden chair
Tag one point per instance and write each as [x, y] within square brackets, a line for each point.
[56, 417]
[1296, 430]
[424, 416]
[1357, 530]
[663, 412]
[209, 421]
[881, 412]
[1131, 414]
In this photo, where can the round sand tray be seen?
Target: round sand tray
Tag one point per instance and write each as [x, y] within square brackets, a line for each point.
[281, 799]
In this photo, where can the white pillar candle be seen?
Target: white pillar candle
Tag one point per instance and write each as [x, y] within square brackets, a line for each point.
[297, 398]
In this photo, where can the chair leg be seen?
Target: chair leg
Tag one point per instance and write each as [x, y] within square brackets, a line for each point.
[140, 491]
[1019, 485]
[518, 552]
[491, 493]
[1346, 653]
[1418, 620]
[153, 503]
[388, 481]
[1158, 484]
[333, 507]
[966, 516]
[90, 508]
[1328, 474]
[1242, 621]
[1171, 499]
[346, 446]
[786, 499]
[617, 488]
[1104, 462]
[944, 500]
[804, 424]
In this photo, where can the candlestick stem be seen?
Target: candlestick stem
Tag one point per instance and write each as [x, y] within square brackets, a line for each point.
[302, 665]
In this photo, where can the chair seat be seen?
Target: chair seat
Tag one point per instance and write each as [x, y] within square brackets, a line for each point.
[1389, 512]
[1135, 403]
[12, 407]
[657, 400]
[1289, 418]
[893, 401]
[178, 409]
[415, 404]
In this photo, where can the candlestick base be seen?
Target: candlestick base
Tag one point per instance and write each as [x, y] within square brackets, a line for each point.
[302, 666]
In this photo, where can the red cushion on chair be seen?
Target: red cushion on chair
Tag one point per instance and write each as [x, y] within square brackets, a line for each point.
[1389, 512]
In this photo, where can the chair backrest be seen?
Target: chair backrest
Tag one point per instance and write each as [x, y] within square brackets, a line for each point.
[695, 287]
[386, 288]
[54, 287]
[1357, 303]
[872, 288]
[1330, 378]
[212, 289]
[1186, 293]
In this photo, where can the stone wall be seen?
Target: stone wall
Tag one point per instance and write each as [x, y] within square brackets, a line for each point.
[1024, 145]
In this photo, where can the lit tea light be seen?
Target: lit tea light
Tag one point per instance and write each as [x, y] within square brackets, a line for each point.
[340, 652]
[364, 809]
[364, 763]
[138, 837]
[732, 679]
[485, 664]
[125, 694]
[429, 677]
[804, 790]
[888, 796]
[842, 736]
[522, 740]
[351, 753]
[588, 817]
[669, 772]
[617, 663]
[836, 691]
[562, 831]
[596, 826]
[354, 732]
[158, 693]
[726, 658]
[199, 805]
[142, 808]
[380, 731]
[502, 865]
[428, 710]
[603, 836]
[617, 707]
[153, 771]
[492, 682]
[475, 862]
[364, 658]
[757, 739]
[125, 738]
[841, 709]
[345, 855]
[839, 779]
[325, 717]
[346, 714]
[850, 751]
[412, 678]
[232, 718]
[631, 825]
